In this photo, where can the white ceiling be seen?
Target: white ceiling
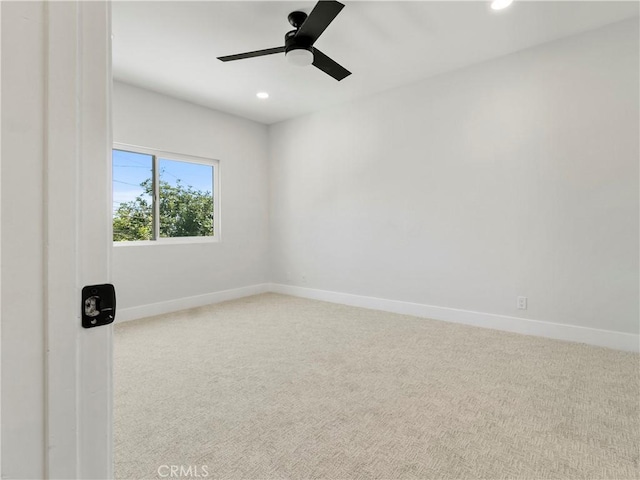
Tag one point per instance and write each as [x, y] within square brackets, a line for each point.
[171, 47]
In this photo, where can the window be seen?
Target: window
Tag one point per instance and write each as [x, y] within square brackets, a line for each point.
[161, 197]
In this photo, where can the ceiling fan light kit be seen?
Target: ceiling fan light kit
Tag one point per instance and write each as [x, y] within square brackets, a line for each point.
[297, 51]
[298, 44]
[300, 57]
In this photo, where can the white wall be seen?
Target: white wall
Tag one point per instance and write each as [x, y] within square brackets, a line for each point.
[517, 176]
[147, 275]
[22, 240]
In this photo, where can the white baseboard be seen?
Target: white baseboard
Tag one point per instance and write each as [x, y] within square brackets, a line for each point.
[572, 333]
[169, 306]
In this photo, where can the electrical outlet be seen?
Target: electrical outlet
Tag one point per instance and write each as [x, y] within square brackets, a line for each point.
[522, 303]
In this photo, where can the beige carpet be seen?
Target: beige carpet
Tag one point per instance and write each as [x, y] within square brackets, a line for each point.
[273, 386]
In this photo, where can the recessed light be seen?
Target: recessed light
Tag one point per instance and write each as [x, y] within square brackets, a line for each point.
[500, 4]
[262, 95]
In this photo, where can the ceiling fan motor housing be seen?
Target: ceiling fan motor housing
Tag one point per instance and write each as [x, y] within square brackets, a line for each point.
[291, 42]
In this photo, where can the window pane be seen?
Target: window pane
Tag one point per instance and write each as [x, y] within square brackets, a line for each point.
[132, 199]
[186, 199]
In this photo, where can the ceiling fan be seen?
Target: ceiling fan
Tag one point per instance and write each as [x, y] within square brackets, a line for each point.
[298, 44]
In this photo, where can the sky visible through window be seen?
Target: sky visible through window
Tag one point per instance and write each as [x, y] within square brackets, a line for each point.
[131, 169]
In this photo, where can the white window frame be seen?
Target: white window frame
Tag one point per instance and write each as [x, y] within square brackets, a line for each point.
[180, 157]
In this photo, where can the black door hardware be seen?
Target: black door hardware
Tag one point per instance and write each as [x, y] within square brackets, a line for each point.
[98, 305]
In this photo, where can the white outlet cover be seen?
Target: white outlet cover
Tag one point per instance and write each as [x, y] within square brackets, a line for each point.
[522, 303]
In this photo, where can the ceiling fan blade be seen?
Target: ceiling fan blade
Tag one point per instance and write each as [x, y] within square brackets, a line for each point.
[319, 19]
[256, 53]
[328, 66]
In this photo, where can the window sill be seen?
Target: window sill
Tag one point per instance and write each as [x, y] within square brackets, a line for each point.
[167, 241]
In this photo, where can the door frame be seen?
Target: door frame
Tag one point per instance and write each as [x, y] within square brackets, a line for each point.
[78, 362]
